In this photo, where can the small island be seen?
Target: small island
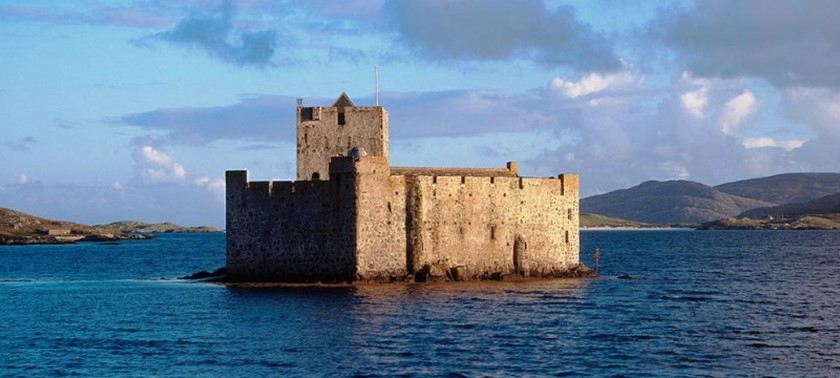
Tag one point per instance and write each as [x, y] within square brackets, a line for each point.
[798, 222]
[18, 228]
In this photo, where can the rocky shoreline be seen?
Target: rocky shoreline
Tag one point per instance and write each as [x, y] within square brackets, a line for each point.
[70, 239]
[440, 276]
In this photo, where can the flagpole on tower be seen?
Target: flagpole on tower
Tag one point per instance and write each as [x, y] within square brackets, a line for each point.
[376, 83]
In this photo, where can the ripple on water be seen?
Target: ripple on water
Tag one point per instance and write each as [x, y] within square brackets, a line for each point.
[710, 304]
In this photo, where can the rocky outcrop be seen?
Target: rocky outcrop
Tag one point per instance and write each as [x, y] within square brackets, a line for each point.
[18, 228]
[444, 272]
[205, 275]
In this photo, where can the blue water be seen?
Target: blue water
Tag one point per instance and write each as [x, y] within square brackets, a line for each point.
[734, 303]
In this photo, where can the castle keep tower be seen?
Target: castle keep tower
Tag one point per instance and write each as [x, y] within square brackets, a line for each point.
[350, 216]
[326, 132]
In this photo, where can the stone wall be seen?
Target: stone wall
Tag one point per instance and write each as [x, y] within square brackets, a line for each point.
[290, 231]
[381, 242]
[467, 226]
[368, 224]
[326, 132]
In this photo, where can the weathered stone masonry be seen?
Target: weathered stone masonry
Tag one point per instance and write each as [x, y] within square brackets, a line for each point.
[353, 217]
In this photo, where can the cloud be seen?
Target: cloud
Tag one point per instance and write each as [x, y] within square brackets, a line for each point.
[736, 110]
[355, 9]
[695, 101]
[612, 128]
[139, 15]
[270, 118]
[771, 142]
[23, 144]
[819, 108]
[498, 30]
[594, 83]
[462, 113]
[215, 33]
[23, 179]
[154, 166]
[256, 118]
[623, 140]
[787, 43]
[215, 186]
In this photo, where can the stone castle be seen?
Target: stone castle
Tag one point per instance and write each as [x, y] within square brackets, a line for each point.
[352, 217]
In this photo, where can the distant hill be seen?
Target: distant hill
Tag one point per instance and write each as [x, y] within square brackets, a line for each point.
[166, 227]
[826, 205]
[669, 202]
[785, 188]
[21, 228]
[597, 220]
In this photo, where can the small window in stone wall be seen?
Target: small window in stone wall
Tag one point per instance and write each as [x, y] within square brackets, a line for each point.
[569, 215]
[341, 118]
[306, 114]
[567, 237]
[316, 176]
[492, 232]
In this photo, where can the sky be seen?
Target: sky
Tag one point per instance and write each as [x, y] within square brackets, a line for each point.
[115, 110]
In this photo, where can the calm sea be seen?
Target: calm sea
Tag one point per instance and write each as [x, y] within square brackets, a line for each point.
[733, 303]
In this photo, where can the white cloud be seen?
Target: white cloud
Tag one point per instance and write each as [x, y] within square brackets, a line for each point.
[215, 186]
[155, 166]
[117, 186]
[620, 144]
[695, 101]
[673, 170]
[594, 83]
[770, 142]
[22, 179]
[736, 110]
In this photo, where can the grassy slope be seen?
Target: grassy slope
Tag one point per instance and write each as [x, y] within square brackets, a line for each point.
[127, 226]
[597, 220]
[14, 222]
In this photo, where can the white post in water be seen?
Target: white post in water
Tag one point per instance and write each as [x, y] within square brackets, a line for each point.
[376, 83]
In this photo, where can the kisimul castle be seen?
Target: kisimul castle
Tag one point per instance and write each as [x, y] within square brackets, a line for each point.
[352, 217]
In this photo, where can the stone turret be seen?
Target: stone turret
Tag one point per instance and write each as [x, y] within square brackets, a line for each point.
[326, 132]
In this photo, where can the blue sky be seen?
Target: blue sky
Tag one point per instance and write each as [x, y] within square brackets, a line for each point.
[114, 110]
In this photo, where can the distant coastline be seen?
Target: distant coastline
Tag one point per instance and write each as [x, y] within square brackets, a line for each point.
[651, 228]
[18, 228]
